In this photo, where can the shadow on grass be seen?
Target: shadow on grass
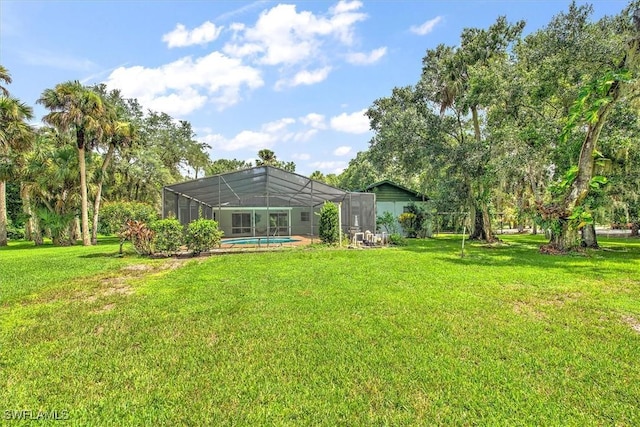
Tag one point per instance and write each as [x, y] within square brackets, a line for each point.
[15, 245]
[523, 250]
[103, 255]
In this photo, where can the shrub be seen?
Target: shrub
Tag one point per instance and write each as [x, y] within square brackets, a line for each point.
[114, 215]
[407, 220]
[417, 221]
[329, 233]
[168, 235]
[388, 221]
[57, 226]
[203, 234]
[140, 235]
[397, 239]
[13, 231]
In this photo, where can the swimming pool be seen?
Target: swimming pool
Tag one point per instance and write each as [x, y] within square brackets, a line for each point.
[258, 240]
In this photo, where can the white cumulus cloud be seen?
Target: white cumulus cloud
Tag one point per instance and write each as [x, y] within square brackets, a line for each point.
[246, 139]
[342, 151]
[188, 83]
[355, 122]
[361, 58]
[330, 166]
[301, 156]
[304, 77]
[284, 36]
[181, 37]
[277, 125]
[346, 6]
[427, 27]
[314, 120]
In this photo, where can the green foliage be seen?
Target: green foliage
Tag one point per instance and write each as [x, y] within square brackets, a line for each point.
[417, 221]
[114, 215]
[168, 235]
[592, 97]
[14, 232]
[57, 225]
[202, 235]
[388, 221]
[597, 182]
[579, 218]
[559, 188]
[140, 235]
[328, 227]
[397, 239]
[407, 220]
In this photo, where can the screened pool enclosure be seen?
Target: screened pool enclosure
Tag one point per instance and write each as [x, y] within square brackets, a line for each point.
[266, 201]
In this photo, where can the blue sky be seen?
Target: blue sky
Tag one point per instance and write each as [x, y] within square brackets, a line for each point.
[294, 77]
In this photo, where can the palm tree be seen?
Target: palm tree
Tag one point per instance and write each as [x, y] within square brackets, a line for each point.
[266, 157]
[6, 78]
[79, 109]
[16, 135]
[51, 180]
[117, 133]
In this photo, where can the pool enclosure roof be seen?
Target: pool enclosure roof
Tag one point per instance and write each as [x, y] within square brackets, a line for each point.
[257, 187]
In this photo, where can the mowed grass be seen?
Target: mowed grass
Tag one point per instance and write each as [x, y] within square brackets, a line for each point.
[398, 336]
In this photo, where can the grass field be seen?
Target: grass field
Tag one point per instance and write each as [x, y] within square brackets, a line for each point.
[400, 336]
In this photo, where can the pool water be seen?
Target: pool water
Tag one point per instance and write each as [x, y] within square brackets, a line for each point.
[259, 240]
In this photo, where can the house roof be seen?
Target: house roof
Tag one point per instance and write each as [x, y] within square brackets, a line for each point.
[399, 188]
[258, 186]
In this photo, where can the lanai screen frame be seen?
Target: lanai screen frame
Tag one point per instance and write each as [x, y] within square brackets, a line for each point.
[264, 188]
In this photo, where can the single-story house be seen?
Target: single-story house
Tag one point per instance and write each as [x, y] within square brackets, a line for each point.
[265, 201]
[394, 198]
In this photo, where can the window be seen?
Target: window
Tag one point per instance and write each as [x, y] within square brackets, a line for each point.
[304, 217]
[279, 223]
[240, 223]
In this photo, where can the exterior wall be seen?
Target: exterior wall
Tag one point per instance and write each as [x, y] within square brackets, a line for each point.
[396, 208]
[302, 220]
[390, 193]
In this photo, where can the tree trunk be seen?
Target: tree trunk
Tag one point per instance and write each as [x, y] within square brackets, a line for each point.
[589, 239]
[3, 213]
[482, 225]
[563, 241]
[26, 209]
[580, 186]
[86, 238]
[76, 231]
[98, 200]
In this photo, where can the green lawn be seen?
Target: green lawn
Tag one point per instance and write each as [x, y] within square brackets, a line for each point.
[397, 336]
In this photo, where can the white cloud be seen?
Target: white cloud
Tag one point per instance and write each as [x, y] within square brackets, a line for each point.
[310, 77]
[304, 136]
[277, 125]
[304, 77]
[330, 167]
[269, 134]
[190, 83]
[181, 37]
[427, 27]
[284, 36]
[351, 123]
[346, 6]
[314, 120]
[342, 151]
[246, 139]
[301, 156]
[360, 58]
